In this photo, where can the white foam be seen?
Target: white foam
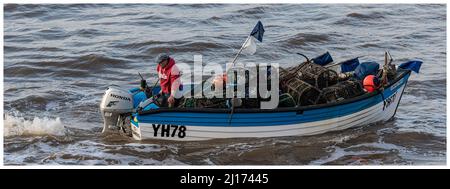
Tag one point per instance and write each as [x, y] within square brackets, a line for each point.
[17, 125]
[339, 153]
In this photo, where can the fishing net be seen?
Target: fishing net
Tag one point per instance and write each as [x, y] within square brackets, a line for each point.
[391, 71]
[342, 90]
[251, 103]
[204, 103]
[317, 75]
[302, 85]
[314, 74]
[286, 100]
[219, 103]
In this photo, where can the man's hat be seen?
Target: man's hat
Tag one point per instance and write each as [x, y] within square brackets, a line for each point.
[161, 57]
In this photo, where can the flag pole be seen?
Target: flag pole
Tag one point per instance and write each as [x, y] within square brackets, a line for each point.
[256, 30]
[233, 99]
[240, 50]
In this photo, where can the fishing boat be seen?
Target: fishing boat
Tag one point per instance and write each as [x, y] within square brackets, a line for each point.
[126, 112]
[320, 101]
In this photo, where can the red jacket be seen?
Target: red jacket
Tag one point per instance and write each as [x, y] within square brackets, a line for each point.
[168, 77]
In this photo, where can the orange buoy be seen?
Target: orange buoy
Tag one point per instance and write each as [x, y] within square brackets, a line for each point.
[371, 83]
[220, 80]
[224, 77]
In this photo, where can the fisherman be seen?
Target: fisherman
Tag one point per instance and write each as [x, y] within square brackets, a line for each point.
[169, 77]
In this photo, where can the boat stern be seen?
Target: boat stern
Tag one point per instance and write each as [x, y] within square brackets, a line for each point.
[135, 129]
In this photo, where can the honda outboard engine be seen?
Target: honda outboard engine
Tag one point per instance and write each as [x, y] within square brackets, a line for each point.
[115, 106]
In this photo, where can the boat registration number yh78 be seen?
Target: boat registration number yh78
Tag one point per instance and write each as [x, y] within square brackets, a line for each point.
[164, 130]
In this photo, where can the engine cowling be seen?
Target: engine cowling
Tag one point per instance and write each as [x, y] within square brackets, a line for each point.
[115, 104]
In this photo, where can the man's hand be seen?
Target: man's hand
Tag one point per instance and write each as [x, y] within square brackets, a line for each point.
[171, 100]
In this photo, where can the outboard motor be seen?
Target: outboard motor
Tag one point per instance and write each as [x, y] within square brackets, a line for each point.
[115, 106]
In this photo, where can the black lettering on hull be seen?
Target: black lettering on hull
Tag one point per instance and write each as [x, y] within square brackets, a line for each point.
[167, 130]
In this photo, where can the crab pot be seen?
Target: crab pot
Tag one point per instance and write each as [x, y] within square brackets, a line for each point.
[317, 75]
[341, 91]
[303, 93]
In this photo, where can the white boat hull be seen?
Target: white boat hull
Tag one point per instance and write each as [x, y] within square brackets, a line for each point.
[373, 114]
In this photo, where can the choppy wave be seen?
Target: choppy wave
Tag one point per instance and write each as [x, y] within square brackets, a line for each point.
[251, 11]
[17, 126]
[373, 15]
[306, 39]
[80, 67]
[362, 19]
[138, 45]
